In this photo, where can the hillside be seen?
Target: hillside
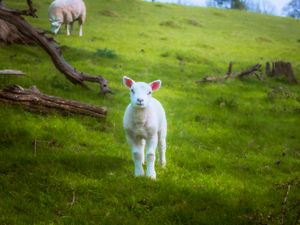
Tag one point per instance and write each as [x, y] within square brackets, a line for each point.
[232, 148]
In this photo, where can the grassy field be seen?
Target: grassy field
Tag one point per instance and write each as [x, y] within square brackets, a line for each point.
[232, 149]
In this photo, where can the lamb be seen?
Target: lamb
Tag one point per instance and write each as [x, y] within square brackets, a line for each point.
[145, 124]
[66, 12]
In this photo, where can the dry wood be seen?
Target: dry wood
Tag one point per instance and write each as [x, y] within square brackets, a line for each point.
[9, 34]
[14, 18]
[281, 68]
[229, 71]
[251, 70]
[256, 69]
[32, 99]
[210, 79]
[12, 72]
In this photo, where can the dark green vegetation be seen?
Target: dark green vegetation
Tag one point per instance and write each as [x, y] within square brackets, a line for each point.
[232, 147]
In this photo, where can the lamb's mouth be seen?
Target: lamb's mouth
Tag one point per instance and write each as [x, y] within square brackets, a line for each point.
[140, 105]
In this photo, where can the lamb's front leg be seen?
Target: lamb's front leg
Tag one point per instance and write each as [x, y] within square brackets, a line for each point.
[150, 156]
[137, 149]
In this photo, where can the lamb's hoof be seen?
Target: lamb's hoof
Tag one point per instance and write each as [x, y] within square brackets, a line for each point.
[138, 173]
[152, 175]
[162, 164]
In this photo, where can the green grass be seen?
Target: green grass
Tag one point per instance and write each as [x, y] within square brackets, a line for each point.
[232, 148]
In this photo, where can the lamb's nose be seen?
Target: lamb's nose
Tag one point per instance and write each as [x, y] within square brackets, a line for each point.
[140, 100]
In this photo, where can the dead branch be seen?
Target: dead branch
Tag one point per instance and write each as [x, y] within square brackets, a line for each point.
[31, 11]
[251, 70]
[229, 71]
[9, 34]
[256, 69]
[32, 99]
[15, 19]
[12, 72]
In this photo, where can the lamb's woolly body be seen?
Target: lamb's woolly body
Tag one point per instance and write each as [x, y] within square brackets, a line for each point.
[145, 124]
[66, 12]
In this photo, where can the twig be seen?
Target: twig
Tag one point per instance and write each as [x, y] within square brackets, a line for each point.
[73, 199]
[283, 209]
[12, 72]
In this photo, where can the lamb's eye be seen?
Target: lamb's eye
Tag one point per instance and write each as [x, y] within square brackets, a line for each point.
[149, 93]
[132, 91]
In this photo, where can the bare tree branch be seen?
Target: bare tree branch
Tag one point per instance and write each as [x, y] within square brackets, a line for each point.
[256, 69]
[47, 43]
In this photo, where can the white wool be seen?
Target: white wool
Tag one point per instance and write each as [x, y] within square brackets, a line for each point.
[66, 12]
[145, 124]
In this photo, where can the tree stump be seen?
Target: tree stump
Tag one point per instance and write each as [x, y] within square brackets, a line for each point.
[280, 68]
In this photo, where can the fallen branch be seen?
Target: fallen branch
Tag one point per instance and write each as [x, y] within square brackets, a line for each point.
[256, 69]
[32, 99]
[251, 70]
[15, 19]
[12, 72]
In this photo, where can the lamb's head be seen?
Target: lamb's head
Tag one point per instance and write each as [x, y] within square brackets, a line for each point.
[141, 92]
[55, 24]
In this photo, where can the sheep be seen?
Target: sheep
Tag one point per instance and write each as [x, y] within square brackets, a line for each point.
[66, 12]
[145, 124]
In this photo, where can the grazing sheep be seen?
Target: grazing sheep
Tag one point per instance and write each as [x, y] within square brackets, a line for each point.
[145, 124]
[66, 12]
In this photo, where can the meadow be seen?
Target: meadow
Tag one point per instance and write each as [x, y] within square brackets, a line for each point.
[233, 148]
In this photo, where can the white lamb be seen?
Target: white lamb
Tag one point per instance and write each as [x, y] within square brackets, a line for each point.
[66, 12]
[145, 124]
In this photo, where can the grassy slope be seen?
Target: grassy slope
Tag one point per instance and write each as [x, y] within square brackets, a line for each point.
[224, 139]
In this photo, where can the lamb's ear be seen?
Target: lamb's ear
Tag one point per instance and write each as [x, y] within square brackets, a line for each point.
[128, 82]
[155, 85]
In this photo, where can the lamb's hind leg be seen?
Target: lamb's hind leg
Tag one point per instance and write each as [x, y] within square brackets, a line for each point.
[162, 135]
[80, 28]
[162, 149]
[68, 29]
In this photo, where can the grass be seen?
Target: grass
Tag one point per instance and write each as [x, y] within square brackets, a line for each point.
[232, 148]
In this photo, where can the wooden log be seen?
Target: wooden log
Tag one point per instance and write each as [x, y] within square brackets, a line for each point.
[32, 99]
